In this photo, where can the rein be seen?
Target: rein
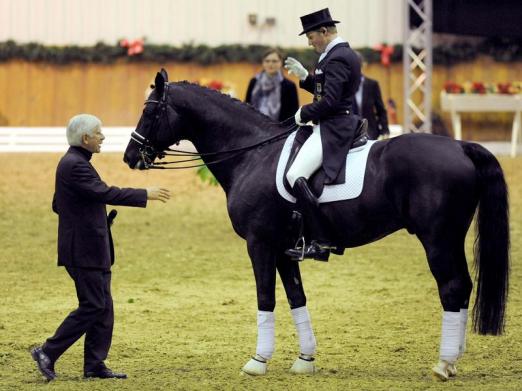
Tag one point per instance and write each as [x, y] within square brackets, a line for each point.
[148, 149]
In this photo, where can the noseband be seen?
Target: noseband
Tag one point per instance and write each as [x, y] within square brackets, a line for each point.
[146, 149]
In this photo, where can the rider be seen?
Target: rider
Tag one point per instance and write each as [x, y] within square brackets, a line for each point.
[334, 83]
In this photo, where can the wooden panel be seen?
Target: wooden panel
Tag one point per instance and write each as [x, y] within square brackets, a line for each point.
[47, 95]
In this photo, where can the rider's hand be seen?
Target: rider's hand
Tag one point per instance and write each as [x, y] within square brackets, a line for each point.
[296, 68]
[158, 193]
[297, 118]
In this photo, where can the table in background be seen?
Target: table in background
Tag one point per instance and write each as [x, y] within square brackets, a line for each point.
[456, 103]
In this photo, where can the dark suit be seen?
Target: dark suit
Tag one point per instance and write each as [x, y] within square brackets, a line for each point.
[289, 99]
[85, 249]
[334, 83]
[373, 109]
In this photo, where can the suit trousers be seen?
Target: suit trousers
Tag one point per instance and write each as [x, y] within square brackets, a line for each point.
[308, 159]
[94, 317]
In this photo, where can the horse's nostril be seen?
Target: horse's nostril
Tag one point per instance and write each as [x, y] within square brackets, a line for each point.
[125, 160]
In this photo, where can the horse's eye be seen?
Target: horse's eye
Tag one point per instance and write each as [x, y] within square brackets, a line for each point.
[148, 111]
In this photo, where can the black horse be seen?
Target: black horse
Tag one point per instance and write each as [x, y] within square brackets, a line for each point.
[429, 185]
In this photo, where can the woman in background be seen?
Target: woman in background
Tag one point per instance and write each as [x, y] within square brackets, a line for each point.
[270, 92]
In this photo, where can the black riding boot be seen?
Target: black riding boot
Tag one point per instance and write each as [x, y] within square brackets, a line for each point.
[318, 249]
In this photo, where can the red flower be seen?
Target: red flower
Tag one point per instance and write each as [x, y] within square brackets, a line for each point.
[133, 47]
[453, 88]
[478, 88]
[504, 88]
[215, 85]
[386, 52]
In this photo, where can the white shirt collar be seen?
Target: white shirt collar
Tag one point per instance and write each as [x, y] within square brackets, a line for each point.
[330, 46]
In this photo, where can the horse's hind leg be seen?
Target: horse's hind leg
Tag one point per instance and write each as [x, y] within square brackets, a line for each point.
[291, 278]
[447, 262]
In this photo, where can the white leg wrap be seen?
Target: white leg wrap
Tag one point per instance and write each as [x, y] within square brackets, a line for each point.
[462, 333]
[303, 325]
[308, 159]
[265, 334]
[450, 336]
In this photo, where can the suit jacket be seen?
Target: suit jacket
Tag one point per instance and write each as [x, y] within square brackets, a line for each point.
[289, 99]
[79, 200]
[373, 109]
[334, 83]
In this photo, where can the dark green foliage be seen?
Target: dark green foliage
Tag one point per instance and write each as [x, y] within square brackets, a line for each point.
[501, 49]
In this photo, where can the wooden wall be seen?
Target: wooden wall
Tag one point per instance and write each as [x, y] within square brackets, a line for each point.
[48, 95]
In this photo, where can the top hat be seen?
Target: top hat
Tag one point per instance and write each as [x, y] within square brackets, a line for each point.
[316, 19]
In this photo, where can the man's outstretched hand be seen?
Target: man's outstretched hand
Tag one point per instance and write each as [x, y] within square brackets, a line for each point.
[158, 193]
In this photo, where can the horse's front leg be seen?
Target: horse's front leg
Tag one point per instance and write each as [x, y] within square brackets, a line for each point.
[263, 257]
[291, 278]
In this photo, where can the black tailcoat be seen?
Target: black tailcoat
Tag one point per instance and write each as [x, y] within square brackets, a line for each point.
[79, 200]
[373, 109]
[85, 249]
[334, 85]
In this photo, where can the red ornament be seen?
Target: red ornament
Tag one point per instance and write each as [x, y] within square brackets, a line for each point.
[215, 85]
[133, 47]
[386, 52]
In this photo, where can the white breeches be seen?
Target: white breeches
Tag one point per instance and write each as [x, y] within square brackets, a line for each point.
[308, 159]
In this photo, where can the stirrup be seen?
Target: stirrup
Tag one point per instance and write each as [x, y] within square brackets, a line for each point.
[303, 246]
[297, 253]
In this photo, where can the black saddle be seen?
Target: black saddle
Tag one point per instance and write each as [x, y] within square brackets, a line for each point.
[316, 181]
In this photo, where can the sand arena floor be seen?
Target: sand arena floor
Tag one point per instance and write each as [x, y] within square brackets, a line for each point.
[185, 305]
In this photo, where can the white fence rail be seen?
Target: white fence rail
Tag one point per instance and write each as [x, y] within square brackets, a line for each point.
[52, 139]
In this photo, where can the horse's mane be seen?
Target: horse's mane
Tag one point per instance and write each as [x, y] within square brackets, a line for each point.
[219, 96]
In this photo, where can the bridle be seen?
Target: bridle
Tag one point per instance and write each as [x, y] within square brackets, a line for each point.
[148, 152]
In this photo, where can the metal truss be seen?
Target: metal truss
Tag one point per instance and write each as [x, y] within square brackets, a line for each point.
[417, 66]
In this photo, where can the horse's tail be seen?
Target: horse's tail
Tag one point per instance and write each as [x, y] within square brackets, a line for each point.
[491, 248]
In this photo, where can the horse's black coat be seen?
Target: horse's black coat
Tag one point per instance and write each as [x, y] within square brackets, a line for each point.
[428, 184]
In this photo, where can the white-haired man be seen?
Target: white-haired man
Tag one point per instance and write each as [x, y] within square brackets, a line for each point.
[85, 248]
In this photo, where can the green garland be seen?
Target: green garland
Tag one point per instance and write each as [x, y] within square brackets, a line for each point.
[500, 49]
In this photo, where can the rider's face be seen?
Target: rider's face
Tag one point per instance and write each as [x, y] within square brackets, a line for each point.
[317, 39]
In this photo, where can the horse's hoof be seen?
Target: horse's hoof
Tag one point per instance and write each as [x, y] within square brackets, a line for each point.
[452, 370]
[441, 370]
[255, 367]
[303, 366]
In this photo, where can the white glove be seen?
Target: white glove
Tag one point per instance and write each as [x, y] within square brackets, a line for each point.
[296, 68]
[297, 117]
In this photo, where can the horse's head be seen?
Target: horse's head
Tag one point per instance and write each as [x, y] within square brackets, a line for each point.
[157, 129]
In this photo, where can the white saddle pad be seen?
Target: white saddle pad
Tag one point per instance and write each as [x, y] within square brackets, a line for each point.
[351, 188]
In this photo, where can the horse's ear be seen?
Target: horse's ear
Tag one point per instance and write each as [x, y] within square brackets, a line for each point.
[165, 74]
[159, 82]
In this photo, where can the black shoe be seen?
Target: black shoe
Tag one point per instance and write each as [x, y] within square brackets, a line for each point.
[315, 250]
[105, 373]
[45, 365]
